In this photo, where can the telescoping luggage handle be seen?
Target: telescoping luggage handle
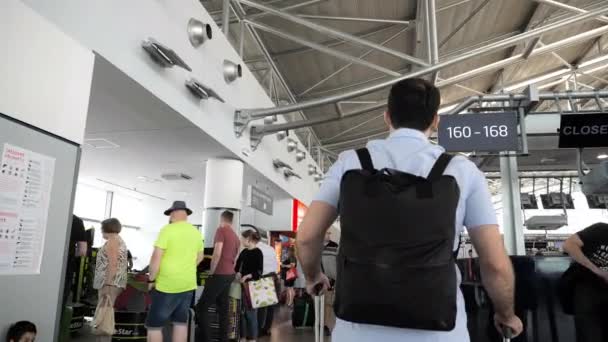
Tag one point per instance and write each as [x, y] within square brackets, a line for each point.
[319, 313]
[437, 171]
[507, 334]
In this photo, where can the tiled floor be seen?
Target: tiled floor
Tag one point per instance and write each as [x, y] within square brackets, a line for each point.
[282, 331]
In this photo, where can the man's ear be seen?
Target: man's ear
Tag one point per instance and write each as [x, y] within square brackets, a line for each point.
[435, 124]
[387, 120]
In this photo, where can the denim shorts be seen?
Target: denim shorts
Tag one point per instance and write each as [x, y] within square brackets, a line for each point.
[168, 307]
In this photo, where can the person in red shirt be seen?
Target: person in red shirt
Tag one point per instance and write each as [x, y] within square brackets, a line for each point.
[217, 287]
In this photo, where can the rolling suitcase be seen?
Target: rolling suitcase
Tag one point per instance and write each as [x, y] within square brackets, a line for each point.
[303, 314]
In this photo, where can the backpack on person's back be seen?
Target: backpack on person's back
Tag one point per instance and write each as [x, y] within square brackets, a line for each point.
[395, 264]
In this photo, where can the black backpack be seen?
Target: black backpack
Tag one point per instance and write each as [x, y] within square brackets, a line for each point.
[396, 264]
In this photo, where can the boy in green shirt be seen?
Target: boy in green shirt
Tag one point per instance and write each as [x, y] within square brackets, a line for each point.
[177, 252]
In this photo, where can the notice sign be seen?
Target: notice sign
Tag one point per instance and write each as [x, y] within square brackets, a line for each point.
[260, 200]
[583, 130]
[25, 186]
[483, 132]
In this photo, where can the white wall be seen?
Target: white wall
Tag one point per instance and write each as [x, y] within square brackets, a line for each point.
[115, 29]
[45, 76]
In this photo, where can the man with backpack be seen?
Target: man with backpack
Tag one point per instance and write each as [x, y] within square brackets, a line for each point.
[403, 203]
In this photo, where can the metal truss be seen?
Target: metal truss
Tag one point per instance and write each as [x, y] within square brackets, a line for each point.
[244, 116]
[330, 31]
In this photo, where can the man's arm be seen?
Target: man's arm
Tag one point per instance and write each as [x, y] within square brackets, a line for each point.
[309, 241]
[574, 247]
[157, 256]
[496, 268]
[217, 254]
[82, 249]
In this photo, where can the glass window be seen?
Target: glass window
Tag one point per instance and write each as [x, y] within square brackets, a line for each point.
[128, 210]
[90, 202]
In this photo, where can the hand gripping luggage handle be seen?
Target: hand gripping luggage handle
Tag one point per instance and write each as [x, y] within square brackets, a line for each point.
[507, 333]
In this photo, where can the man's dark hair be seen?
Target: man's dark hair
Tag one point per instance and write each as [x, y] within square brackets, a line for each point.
[227, 216]
[413, 103]
[17, 330]
[111, 226]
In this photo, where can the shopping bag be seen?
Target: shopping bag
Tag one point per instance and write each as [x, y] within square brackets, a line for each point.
[261, 293]
[235, 290]
[291, 274]
[103, 322]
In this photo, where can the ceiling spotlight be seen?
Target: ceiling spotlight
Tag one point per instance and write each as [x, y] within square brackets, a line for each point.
[602, 156]
[281, 135]
[232, 71]
[300, 155]
[292, 145]
[198, 32]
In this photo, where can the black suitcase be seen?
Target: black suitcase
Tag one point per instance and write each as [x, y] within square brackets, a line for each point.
[303, 314]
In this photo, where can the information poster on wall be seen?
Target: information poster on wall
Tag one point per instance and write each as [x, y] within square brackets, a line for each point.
[26, 179]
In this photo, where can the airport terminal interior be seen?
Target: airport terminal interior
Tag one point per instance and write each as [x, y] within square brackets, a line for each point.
[115, 109]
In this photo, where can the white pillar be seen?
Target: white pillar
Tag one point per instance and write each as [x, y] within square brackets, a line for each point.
[223, 191]
[511, 206]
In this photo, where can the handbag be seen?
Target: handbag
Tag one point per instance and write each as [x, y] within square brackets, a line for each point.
[260, 293]
[103, 321]
[291, 274]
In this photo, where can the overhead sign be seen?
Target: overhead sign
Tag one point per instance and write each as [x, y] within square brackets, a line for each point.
[260, 200]
[583, 130]
[483, 132]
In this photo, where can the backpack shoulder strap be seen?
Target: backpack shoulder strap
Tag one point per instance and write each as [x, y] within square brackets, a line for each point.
[366, 159]
[440, 165]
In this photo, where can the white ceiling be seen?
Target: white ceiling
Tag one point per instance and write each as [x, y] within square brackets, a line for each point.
[153, 139]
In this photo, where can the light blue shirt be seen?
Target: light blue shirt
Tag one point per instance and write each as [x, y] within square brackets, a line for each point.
[409, 150]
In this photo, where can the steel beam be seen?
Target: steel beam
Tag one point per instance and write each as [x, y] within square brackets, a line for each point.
[365, 54]
[530, 47]
[352, 128]
[447, 7]
[570, 8]
[321, 48]
[259, 113]
[446, 56]
[522, 97]
[270, 129]
[355, 19]
[331, 31]
[512, 217]
[463, 22]
[573, 40]
[327, 43]
[273, 67]
[225, 17]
